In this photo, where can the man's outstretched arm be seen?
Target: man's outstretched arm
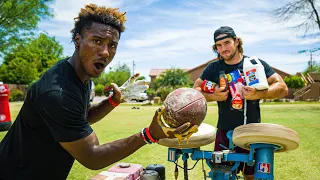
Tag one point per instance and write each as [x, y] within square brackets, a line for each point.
[219, 94]
[94, 156]
[277, 89]
[99, 111]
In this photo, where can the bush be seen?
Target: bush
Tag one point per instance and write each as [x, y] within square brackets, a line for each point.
[99, 90]
[16, 95]
[151, 93]
[163, 92]
[294, 82]
[156, 100]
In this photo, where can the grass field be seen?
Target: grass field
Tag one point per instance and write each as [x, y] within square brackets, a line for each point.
[300, 164]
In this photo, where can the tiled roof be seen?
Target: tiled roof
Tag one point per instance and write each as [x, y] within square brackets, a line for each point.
[157, 72]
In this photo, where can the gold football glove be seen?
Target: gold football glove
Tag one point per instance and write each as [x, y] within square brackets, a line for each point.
[182, 132]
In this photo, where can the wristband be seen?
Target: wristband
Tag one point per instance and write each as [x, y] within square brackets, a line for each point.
[143, 136]
[150, 137]
[112, 102]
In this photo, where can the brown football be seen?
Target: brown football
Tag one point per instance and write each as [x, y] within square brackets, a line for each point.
[184, 105]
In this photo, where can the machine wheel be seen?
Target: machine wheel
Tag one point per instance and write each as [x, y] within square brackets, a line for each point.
[276, 134]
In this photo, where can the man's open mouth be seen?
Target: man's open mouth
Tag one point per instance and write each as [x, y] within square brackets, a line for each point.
[99, 66]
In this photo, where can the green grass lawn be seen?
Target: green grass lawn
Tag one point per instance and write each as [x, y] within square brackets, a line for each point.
[302, 163]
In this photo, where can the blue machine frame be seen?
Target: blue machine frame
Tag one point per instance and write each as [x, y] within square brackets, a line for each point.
[261, 156]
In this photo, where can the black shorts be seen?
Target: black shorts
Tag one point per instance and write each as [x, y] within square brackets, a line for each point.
[221, 138]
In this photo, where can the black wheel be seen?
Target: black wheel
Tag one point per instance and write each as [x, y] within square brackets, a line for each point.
[5, 126]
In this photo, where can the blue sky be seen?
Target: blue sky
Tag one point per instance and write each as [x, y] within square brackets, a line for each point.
[178, 33]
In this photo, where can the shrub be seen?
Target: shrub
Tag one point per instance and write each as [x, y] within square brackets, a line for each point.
[151, 93]
[16, 95]
[99, 90]
[163, 92]
[294, 82]
[156, 100]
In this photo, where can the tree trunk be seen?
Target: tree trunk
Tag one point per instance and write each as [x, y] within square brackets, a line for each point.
[315, 12]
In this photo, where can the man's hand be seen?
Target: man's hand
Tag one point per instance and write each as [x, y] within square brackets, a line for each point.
[131, 88]
[219, 94]
[159, 130]
[117, 97]
[251, 93]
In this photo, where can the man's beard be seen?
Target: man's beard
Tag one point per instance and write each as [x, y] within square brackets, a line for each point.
[228, 58]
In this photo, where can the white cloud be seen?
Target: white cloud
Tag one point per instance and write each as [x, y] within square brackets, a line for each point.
[180, 35]
[67, 10]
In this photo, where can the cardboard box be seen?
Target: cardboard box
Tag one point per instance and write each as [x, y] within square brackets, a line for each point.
[105, 175]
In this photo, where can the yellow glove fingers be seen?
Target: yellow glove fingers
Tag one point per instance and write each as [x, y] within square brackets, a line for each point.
[182, 128]
[187, 134]
[164, 128]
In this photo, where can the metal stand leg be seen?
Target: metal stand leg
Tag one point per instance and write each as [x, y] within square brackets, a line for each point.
[185, 157]
[185, 168]
[264, 161]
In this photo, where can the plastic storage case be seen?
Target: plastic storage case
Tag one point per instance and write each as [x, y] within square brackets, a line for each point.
[133, 170]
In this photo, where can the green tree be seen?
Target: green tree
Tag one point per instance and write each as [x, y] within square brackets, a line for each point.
[46, 52]
[37, 55]
[151, 94]
[315, 68]
[121, 68]
[141, 78]
[102, 79]
[19, 18]
[174, 78]
[99, 89]
[118, 75]
[18, 71]
[294, 82]
[171, 80]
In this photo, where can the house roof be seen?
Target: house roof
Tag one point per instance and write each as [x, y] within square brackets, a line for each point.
[157, 72]
[279, 71]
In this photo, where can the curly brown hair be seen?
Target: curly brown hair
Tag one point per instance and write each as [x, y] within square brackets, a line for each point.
[100, 14]
[240, 49]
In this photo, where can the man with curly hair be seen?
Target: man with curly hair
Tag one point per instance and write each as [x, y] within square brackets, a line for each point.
[53, 126]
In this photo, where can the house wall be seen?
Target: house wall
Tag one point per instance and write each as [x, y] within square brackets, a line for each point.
[281, 73]
[196, 73]
[21, 87]
[152, 78]
[315, 76]
[313, 94]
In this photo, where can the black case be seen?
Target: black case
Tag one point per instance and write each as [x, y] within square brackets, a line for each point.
[159, 168]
